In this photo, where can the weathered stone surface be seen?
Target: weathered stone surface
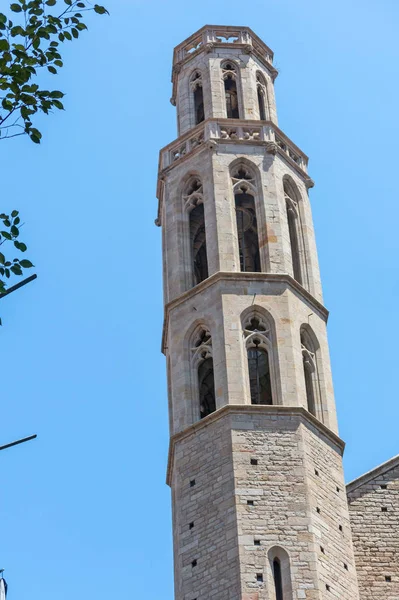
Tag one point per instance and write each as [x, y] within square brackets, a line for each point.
[376, 532]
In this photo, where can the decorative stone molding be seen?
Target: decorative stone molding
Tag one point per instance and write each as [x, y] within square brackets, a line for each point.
[309, 183]
[248, 49]
[271, 147]
[303, 416]
[173, 101]
[209, 47]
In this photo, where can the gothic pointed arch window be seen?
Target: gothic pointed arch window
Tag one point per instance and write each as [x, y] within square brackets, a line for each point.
[198, 97]
[309, 348]
[194, 205]
[280, 573]
[202, 361]
[262, 95]
[246, 219]
[257, 336]
[295, 232]
[230, 75]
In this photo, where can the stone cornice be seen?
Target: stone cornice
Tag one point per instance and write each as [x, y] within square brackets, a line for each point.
[212, 133]
[230, 409]
[390, 464]
[236, 277]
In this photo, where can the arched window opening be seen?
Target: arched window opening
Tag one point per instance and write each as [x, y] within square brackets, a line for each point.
[196, 87]
[247, 225]
[257, 334]
[230, 90]
[259, 375]
[247, 230]
[280, 573]
[194, 203]
[261, 90]
[310, 372]
[198, 244]
[292, 218]
[203, 362]
[261, 102]
[206, 388]
[278, 580]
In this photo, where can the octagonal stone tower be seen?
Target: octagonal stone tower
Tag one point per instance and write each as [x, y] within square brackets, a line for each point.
[255, 461]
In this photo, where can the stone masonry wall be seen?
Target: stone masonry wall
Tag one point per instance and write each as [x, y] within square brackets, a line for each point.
[375, 534]
[286, 494]
[204, 457]
[239, 510]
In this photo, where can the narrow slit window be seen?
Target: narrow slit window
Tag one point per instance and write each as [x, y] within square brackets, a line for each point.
[198, 97]
[261, 103]
[247, 230]
[206, 387]
[259, 376]
[198, 243]
[199, 105]
[278, 581]
[229, 70]
[294, 242]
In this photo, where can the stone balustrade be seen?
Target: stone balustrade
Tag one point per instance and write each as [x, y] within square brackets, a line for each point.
[230, 131]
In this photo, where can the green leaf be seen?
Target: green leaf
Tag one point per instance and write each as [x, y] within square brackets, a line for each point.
[6, 235]
[100, 10]
[2, 258]
[26, 264]
[14, 214]
[7, 223]
[35, 139]
[20, 246]
[17, 221]
[15, 231]
[58, 104]
[51, 2]
[4, 45]
[57, 94]
[16, 269]
[16, 8]
[52, 70]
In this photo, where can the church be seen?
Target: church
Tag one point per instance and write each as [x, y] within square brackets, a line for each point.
[260, 506]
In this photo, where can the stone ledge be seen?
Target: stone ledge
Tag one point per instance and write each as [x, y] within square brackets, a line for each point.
[239, 276]
[238, 409]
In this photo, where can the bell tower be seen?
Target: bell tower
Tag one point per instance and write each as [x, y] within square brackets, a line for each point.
[255, 460]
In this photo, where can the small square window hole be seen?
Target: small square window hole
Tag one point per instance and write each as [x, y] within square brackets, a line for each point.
[257, 542]
[192, 482]
[388, 578]
[254, 461]
[384, 509]
[328, 587]
[194, 563]
[191, 526]
[250, 502]
[346, 567]
[259, 577]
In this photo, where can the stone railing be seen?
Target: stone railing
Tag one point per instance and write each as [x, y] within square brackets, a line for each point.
[214, 35]
[230, 131]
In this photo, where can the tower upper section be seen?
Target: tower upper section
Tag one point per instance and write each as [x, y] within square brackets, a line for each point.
[223, 72]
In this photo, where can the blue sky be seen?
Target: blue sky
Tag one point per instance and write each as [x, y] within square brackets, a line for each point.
[85, 510]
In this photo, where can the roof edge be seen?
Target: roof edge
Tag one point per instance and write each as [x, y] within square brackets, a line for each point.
[376, 472]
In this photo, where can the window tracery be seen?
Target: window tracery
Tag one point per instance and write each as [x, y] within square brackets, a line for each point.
[202, 361]
[194, 204]
[310, 371]
[229, 74]
[247, 226]
[257, 336]
[262, 96]
[293, 226]
[198, 96]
